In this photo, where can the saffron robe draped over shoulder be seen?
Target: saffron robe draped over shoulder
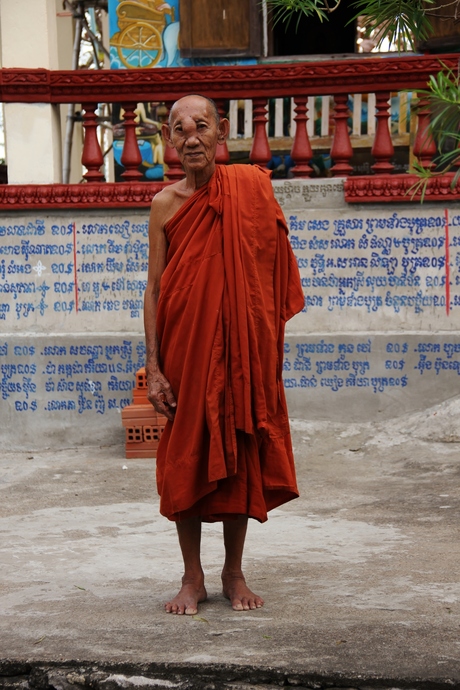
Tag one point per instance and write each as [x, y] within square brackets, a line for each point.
[230, 284]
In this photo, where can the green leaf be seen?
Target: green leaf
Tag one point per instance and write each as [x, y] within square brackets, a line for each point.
[201, 620]
[286, 10]
[402, 22]
[442, 99]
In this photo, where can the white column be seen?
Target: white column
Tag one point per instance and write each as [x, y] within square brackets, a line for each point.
[279, 117]
[248, 123]
[233, 117]
[357, 111]
[32, 131]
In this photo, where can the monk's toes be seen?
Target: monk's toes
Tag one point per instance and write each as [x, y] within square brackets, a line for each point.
[191, 610]
[243, 604]
[174, 608]
[237, 605]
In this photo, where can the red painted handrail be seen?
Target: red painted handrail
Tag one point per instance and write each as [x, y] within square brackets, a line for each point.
[301, 151]
[383, 149]
[379, 75]
[358, 75]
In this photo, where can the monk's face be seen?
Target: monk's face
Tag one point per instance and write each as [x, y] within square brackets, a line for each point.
[195, 133]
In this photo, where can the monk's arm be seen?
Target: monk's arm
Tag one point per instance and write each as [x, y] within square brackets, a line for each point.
[158, 388]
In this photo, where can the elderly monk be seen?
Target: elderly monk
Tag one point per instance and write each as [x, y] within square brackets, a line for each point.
[222, 282]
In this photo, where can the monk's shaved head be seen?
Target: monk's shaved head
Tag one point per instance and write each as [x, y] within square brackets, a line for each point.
[209, 101]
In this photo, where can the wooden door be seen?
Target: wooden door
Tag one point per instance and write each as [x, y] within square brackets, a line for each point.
[217, 28]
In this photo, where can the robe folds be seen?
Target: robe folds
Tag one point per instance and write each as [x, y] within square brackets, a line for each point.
[230, 284]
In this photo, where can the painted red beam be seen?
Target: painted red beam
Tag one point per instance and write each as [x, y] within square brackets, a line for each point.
[369, 189]
[358, 75]
[109, 195]
[400, 188]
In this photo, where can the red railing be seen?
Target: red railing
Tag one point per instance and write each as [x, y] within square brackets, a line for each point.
[339, 78]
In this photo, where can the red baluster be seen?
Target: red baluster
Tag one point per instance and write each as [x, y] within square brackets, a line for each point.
[260, 151]
[92, 157]
[424, 144]
[341, 151]
[301, 149]
[382, 149]
[222, 154]
[131, 157]
[174, 170]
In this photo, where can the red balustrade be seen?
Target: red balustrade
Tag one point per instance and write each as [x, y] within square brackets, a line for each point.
[131, 157]
[424, 145]
[382, 149]
[381, 76]
[301, 151]
[341, 151]
[92, 157]
[260, 151]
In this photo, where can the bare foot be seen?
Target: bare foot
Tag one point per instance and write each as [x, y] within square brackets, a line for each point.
[190, 595]
[239, 594]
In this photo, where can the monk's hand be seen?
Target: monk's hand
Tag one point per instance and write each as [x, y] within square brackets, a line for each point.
[160, 394]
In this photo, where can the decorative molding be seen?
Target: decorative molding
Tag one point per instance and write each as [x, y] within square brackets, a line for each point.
[89, 196]
[399, 188]
[357, 75]
[358, 190]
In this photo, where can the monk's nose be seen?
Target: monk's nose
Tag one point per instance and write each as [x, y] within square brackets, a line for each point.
[192, 139]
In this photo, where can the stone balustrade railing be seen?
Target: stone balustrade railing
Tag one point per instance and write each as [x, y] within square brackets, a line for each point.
[300, 81]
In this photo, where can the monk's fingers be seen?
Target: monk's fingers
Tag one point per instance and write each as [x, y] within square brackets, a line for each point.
[166, 411]
[169, 415]
[169, 397]
[159, 400]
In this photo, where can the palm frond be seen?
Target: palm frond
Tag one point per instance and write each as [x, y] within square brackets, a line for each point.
[424, 176]
[442, 97]
[286, 10]
[402, 22]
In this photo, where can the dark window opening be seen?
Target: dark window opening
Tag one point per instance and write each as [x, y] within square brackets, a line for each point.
[313, 37]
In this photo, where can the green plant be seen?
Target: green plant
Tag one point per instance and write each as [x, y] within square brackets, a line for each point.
[403, 23]
[442, 97]
[286, 10]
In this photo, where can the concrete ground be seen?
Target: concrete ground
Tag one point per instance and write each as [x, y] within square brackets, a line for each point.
[360, 575]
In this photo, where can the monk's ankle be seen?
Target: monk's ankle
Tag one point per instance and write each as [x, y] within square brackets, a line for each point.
[232, 574]
[194, 579]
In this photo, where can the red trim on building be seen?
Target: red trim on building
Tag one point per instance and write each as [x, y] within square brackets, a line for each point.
[60, 196]
[400, 188]
[359, 75]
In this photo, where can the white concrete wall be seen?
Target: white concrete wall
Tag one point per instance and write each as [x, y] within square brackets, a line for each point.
[379, 335]
[33, 135]
[380, 332]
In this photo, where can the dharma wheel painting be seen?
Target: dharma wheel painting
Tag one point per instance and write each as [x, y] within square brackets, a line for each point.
[144, 33]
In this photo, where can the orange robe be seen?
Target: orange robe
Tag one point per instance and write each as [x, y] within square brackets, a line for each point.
[230, 284]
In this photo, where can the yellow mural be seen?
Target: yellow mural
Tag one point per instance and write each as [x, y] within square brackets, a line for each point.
[141, 25]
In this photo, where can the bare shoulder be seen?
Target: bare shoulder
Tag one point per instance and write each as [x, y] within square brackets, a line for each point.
[167, 202]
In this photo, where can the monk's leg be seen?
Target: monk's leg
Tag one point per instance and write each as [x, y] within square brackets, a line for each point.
[192, 590]
[234, 584]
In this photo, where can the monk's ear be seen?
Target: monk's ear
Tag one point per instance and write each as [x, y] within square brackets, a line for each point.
[166, 132]
[223, 130]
